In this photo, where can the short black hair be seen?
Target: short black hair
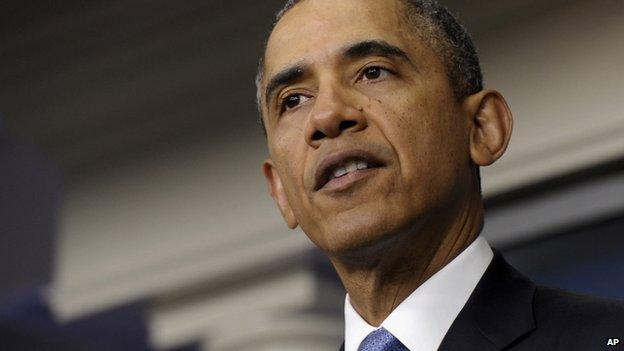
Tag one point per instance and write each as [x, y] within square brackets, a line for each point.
[439, 29]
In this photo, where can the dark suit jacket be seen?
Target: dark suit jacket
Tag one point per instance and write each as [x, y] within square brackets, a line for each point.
[507, 311]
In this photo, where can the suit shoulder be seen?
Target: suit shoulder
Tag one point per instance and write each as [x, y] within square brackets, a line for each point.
[577, 311]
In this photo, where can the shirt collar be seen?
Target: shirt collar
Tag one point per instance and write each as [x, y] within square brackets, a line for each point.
[422, 320]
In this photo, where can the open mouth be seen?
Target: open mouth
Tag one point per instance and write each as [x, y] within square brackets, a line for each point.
[343, 164]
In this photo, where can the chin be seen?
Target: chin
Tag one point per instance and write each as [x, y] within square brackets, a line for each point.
[357, 239]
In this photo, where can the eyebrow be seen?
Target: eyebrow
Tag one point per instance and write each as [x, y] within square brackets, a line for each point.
[284, 77]
[354, 51]
[374, 48]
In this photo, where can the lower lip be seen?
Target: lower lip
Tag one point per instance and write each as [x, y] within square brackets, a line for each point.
[348, 180]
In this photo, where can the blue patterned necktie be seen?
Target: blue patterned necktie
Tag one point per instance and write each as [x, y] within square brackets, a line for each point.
[381, 340]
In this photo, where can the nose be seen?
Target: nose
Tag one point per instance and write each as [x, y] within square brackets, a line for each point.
[331, 116]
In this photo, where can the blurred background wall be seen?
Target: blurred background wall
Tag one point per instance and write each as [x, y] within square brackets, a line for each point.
[134, 212]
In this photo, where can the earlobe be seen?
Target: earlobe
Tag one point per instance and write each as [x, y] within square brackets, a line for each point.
[492, 123]
[276, 190]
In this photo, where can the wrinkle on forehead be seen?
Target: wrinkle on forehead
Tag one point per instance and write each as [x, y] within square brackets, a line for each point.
[322, 24]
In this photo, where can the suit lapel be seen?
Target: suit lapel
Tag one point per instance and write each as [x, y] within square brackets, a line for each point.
[498, 312]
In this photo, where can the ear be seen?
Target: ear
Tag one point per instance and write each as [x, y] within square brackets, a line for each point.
[276, 190]
[491, 125]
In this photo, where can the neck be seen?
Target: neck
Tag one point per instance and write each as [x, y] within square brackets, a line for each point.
[380, 279]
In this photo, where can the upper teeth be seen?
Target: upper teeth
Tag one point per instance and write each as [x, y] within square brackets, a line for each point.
[349, 167]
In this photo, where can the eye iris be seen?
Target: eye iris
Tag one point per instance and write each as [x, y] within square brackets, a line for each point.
[372, 73]
[292, 101]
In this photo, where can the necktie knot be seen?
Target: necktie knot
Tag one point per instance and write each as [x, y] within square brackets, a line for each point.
[381, 340]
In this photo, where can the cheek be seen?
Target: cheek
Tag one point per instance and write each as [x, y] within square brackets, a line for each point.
[425, 132]
[289, 154]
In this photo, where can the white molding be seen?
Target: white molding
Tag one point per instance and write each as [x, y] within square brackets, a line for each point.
[569, 207]
[237, 314]
[281, 332]
[69, 303]
[533, 163]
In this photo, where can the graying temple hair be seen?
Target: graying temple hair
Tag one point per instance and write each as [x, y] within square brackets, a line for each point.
[439, 29]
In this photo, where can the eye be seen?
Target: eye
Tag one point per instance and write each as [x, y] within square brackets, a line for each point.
[374, 73]
[291, 101]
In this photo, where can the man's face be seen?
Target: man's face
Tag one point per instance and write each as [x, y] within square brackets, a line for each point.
[355, 91]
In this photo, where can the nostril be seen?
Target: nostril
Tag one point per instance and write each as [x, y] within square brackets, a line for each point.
[318, 135]
[346, 124]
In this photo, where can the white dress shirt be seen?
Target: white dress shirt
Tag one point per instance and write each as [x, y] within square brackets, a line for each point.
[422, 320]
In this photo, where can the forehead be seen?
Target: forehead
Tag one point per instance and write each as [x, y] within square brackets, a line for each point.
[313, 30]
